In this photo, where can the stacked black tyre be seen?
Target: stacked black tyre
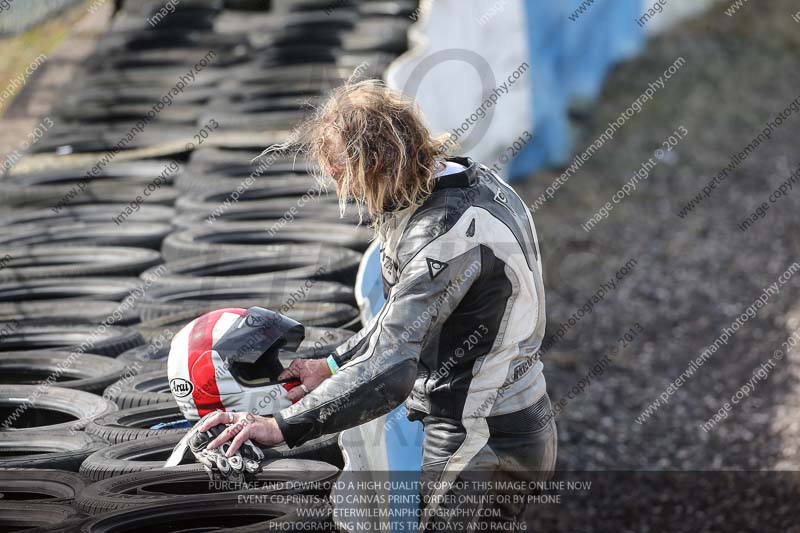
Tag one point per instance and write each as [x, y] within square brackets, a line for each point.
[145, 206]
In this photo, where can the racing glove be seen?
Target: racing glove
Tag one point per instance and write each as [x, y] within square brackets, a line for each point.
[238, 468]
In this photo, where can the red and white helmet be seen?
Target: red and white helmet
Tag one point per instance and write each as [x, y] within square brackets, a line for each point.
[228, 359]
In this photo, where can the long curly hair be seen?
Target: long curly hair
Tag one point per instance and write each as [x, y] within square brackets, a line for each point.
[375, 142]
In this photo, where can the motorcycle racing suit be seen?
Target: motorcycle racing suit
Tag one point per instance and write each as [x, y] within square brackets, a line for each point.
[458, 339]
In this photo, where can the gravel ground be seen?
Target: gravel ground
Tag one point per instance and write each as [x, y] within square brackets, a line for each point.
[65, 41]
[693, 276]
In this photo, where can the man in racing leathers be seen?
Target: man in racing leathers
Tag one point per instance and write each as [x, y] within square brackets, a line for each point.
[462, 324]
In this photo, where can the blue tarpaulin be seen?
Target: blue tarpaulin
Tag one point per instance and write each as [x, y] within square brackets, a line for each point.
[571, 53]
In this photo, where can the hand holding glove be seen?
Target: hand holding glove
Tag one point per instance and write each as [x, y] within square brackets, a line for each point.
[218, 462]
[243, 427]
[230, 465]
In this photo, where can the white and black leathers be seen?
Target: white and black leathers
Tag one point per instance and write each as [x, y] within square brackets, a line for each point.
[463, 321]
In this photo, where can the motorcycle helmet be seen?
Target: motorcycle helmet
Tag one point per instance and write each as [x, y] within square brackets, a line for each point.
[228, 360]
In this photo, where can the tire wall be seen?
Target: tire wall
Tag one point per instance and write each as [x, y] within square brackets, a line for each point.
[141, 207]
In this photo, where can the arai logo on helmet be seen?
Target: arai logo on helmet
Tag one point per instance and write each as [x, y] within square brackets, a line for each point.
[181, 387]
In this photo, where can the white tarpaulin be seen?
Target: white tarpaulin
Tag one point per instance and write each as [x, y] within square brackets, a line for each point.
[462, 56]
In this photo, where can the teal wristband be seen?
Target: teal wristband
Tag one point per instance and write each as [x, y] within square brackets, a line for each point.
[332, 364]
